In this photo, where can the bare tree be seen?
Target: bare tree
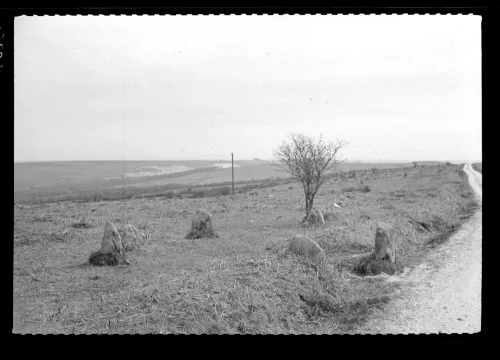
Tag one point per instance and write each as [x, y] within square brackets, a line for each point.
[308, 160]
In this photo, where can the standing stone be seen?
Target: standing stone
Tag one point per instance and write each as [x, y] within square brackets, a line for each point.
[111, 241]
[315, 217]
[384, 245]
[111, 251]
[307, 247]
[202, 226]
[131, 237]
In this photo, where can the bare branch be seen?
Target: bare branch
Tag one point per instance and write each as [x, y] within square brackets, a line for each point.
[308, 160]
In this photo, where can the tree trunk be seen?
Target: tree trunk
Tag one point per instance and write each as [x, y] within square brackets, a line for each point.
[308, 209]
[309, 204]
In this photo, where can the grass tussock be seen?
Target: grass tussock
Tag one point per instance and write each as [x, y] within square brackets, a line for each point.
[41, 216]
[369, 265]
[82, 223]
[197, 194]
[169, 195]
[197, 233]
[435, 224]
[356, 312]
[442, 237]
[63, 235]
[470, 207]
[109, 259]
[329, 215]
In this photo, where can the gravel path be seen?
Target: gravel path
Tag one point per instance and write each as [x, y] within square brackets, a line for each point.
[442, 295]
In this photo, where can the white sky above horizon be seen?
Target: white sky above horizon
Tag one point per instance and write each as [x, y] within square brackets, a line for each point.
[201, 87]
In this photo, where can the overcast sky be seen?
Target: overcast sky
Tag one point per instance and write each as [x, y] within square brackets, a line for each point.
[201, 87]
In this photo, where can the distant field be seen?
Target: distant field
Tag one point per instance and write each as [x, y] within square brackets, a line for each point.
[58, 180]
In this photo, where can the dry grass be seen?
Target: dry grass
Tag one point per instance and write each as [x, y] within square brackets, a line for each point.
[242, 282]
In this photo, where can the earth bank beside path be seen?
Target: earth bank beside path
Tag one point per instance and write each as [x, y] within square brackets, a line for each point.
[443, 294]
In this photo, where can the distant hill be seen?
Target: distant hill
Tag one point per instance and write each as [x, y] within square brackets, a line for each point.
[35, 180]
[430, 162]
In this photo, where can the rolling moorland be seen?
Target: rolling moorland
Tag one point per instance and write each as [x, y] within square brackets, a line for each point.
[243, 282]
[102, 180]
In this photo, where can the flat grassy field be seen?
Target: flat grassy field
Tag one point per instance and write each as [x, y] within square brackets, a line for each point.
[243, 282]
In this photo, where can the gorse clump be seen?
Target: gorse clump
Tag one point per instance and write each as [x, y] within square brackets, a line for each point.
[364, 188]
[82, 223]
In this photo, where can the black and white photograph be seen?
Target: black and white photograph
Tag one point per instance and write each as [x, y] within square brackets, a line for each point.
[247, 174]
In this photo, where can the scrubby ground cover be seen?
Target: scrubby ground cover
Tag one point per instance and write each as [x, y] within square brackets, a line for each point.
[242, 282]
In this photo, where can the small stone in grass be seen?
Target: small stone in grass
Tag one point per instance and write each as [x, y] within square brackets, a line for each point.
[307, 247]
[202, 226]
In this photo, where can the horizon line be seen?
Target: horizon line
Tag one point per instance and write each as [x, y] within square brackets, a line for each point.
[254, 159]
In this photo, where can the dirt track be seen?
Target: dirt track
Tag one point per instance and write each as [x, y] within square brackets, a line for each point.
[442, 295]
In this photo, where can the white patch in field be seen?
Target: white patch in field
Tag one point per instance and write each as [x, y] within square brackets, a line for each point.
[153, 170]
[224, 166]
